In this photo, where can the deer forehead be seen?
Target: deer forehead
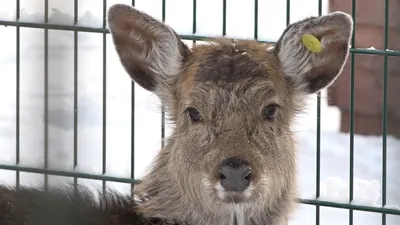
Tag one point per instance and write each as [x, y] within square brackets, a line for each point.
[224, 68]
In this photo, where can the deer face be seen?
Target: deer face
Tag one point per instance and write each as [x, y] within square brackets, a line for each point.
[232, 102]
[233, 114]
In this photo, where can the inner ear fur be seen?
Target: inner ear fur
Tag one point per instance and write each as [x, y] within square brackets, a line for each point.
[150, 51]
[307, 71]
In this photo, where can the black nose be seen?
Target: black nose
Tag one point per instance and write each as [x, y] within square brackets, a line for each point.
[235, 174]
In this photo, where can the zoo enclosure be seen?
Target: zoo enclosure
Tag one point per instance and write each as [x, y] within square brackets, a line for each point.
[104, 31]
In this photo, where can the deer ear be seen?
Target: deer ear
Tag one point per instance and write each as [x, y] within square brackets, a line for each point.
[150, 51]
[310, 71]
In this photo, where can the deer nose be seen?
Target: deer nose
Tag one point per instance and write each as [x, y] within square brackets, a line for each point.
[235, 174]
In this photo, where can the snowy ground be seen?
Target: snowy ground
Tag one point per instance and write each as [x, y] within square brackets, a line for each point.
[334, 146]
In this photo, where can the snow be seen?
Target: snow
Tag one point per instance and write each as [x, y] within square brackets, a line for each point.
[367, 192]
[335, 154]
[373, 48]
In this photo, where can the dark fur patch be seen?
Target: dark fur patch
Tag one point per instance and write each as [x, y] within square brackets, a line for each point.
[228, 64]
[29, 206]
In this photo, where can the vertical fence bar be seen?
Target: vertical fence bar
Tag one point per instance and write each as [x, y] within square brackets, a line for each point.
[194, 26]
[132, 127]
[104, 162]
[352, 68]
[224, 18]
[255, 19]
[17, 95]
[162, 105]
[75, 91]
[318, 163]
[46, 91]
[287, 12]
[384, 112]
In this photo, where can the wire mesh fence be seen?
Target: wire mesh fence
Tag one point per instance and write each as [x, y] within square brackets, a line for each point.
[103, 31]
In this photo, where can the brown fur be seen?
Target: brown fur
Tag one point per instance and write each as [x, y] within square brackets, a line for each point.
[230, 84]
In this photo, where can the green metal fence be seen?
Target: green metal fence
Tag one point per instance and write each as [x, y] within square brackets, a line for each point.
[76, 29]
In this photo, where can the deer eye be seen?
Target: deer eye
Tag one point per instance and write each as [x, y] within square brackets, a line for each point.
[270, 112]
[194, 114]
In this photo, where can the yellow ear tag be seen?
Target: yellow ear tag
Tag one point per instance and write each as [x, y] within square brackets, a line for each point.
[311, 42]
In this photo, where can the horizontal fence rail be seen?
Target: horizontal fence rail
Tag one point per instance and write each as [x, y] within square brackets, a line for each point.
[103, 30]
[50, 26]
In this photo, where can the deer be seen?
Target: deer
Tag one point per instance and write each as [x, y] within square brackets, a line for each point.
[231, 157]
